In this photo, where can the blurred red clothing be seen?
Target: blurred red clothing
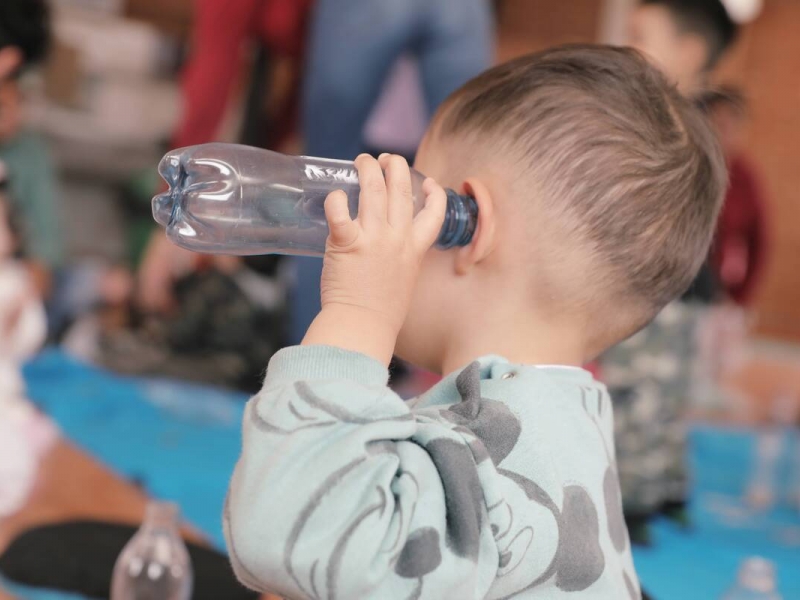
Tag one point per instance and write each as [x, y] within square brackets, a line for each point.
[741, 244]
[221, 29]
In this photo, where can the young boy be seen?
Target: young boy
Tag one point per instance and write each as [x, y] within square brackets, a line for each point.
[598, 187]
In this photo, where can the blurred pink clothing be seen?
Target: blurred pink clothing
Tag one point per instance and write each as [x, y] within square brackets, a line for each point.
[740, 249]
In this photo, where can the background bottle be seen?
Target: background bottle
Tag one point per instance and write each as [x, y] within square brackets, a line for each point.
[774, 445]
[756, 581]
[233, 199]
[154, 565]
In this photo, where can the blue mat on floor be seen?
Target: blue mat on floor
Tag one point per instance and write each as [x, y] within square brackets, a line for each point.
[181, 442]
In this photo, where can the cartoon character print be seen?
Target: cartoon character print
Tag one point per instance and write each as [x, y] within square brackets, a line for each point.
[577, 560]
[317, 574]
[491, 430]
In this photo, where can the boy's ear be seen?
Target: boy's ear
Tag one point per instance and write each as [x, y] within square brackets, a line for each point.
[483, 241]
[10, 60]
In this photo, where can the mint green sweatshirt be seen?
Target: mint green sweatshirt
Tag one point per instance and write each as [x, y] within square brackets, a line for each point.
[499, 482]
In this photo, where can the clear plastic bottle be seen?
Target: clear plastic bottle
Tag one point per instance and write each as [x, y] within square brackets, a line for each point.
[233, 199]
[154, 565]
[774, 444]
[756, 581]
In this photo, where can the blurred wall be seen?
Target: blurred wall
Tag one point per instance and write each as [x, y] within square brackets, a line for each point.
[531, 25]
[766, 64]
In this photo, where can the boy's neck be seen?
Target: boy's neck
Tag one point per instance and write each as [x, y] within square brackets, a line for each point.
[538, 342]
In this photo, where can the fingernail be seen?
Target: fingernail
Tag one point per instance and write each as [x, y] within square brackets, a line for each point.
[384, 154]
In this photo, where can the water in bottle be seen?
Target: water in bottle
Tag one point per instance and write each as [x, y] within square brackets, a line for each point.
[756, 581]
[233, 199]
[155, 564]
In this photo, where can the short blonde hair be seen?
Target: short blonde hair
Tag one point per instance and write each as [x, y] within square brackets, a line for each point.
[618, 152]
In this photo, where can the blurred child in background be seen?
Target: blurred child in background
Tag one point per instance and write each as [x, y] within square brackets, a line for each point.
[685, 38]
[742, 242]
[24, 38]
[24, 434]
[650, 375]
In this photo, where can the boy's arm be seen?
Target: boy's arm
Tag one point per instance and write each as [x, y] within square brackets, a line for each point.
[341, 493]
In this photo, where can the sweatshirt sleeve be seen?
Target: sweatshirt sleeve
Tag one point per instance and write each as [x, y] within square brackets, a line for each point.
[342, 492]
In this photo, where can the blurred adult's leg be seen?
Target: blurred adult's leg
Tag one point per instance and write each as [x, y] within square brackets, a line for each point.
[353, 45]
[458, 44]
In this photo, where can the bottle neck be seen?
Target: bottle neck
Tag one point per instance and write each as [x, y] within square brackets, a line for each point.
[460, 221]
[161, 515]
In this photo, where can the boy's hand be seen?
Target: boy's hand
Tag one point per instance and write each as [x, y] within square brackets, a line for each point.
[372, 262]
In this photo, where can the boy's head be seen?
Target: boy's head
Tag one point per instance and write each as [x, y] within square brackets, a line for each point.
[685, 38]
[598, 188]
[24, 35]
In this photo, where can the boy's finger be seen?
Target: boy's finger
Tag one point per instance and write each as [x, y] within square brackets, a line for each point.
[398, 186]
[428, 222]
[343, 230]
[372, 201]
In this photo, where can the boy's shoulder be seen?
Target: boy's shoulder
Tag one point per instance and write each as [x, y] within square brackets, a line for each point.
[537, 410]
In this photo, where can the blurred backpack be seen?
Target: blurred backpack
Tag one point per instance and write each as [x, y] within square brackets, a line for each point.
[226, 328]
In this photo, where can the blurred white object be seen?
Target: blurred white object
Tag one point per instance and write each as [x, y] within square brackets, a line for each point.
[772, 445]
[743, 11]
[761, 491]
[103, 99]
[112, 45]
[23, 326]
[722, 348]
[24, 433]
[117, 112]
[756, 581]
[25, 436]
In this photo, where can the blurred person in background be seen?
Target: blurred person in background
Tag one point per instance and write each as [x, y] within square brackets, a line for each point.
[650, 375]
[221, 33]
[24, 434]
[22, 319]
[69, 290]
[686, 39]
[216, 319]
[24, 40]
[353, 47]
[741, 247]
